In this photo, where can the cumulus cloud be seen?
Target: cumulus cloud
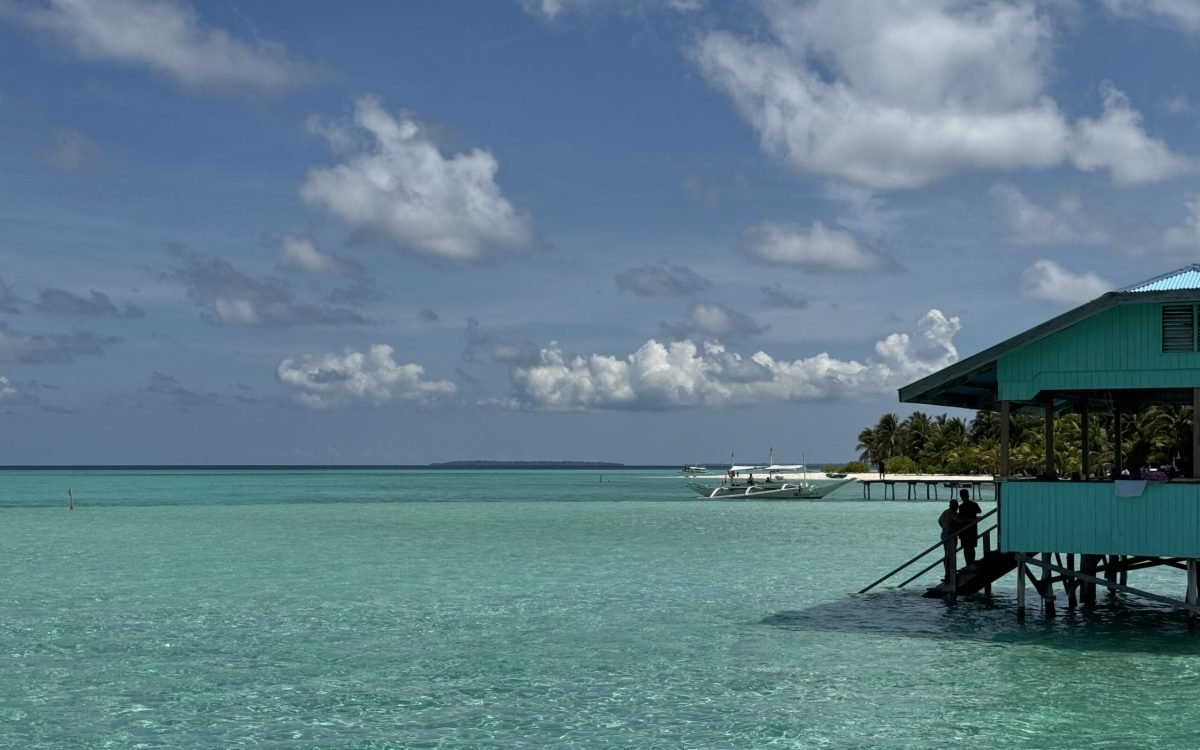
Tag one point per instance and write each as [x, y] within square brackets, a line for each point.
[1116, 142]
[229, 296]
[394, 183]
[484, 344]
[776, 296]
[685, 374]
[184, 398]
[553, 9]
[892, 94]
[38, 348]
[304, 255]
[1027, 223]
[1184, 239]
[65, 303]
[1046, 280]
[815, 248]
[662, 280]
[72, 151]
[166, 36]
[373, 375]
[1177, 14]
[713, 320]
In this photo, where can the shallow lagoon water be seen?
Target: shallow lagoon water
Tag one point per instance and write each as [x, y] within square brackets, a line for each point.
[501, 609]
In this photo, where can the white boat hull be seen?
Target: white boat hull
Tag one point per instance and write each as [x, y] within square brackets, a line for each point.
[768, 490]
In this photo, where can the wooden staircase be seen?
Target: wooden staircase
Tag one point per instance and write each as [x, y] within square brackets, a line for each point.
[977, 576]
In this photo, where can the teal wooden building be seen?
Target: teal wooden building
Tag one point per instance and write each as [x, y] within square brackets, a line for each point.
[1126, 350]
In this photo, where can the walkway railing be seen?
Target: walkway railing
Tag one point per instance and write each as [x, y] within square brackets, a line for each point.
[940, 546]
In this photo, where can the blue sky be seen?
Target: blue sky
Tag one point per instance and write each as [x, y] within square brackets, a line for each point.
[629, 230]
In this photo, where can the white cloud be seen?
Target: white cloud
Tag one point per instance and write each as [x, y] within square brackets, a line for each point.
[713, 320]
[373, 375]
[394, 183]
[1046, 280]
[552, 9]
[168, 37]
[6, 388]
[303, 254]
[683, 374]
[1178, 14]
[900, 93]
[663, 280]
[1027, 223]
[1117, 142]
[815, 248]
[1184, 239]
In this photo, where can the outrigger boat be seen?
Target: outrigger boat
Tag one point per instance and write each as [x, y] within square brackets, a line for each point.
[772, 483]
[692, 470]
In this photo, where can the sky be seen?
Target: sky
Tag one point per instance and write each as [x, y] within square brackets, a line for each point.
[644, 231]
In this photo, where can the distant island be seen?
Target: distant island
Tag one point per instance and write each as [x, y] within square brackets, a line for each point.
[526, 465]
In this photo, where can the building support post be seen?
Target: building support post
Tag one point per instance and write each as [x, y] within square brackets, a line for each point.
[1047, 588]
[1020, 590]
[1085, 463]
[1195, 433]
[1051, 469]
[1118, 459]
[1005, 418]
[1193, 589]
[1087, 564]
[1070, 583]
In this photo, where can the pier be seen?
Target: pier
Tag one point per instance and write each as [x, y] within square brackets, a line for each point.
[930, 482]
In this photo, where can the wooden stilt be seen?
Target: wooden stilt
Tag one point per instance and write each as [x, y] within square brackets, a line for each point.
[1123, 577]
[987, 548]
[1088, 565]
[1071, 582]
[1193, 590]
[1020, 591]
[1047, 589]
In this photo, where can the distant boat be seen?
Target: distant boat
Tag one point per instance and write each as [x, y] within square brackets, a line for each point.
[692, 470]
[772, 483]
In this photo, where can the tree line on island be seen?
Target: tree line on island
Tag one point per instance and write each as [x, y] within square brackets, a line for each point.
[1155, 436]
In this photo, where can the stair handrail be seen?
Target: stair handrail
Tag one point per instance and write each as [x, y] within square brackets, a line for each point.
[935, 563]
[939, 545]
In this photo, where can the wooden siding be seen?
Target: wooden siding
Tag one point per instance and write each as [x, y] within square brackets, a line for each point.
[1087, 518]
[1118, 348]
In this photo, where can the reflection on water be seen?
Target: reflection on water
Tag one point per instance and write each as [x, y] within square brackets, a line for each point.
[1115, 624]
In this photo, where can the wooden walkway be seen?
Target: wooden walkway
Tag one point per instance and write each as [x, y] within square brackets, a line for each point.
[931, 487]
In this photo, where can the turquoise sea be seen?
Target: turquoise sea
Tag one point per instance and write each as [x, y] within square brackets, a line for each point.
[534, 609]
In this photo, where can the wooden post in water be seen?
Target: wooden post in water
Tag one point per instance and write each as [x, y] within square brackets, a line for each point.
[1124, 576]
[1020, 590]
[987, 549]
[1047, 589]
[1193, 589]
[1071, 583]
[1087, 564]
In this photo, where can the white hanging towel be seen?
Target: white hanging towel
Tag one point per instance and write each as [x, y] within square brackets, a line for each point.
[1129, 487]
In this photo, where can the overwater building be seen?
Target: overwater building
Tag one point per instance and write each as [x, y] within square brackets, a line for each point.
[1117, 355]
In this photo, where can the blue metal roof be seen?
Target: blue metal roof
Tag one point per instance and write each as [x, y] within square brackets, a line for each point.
[1187, 277]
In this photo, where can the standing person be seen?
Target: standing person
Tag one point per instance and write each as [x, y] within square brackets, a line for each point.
[949, 523]
[968, 515]
[882, 469]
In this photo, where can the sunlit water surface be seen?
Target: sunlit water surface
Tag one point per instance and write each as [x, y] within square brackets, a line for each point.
[512, 609]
